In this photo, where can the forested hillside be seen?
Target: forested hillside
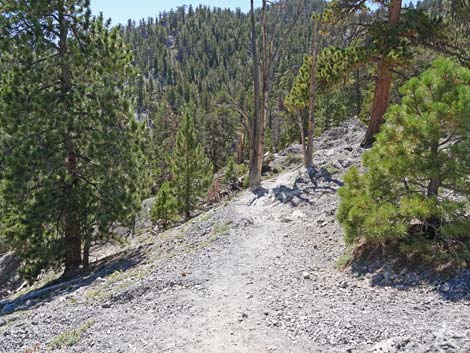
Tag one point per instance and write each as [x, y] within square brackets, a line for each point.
[200, 58]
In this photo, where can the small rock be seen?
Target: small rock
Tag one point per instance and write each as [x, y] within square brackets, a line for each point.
[306, 275]
[285, 220]
[444, 288]
[298, 214]
[376, 279]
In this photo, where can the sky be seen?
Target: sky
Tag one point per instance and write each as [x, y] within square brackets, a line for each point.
[122, 10]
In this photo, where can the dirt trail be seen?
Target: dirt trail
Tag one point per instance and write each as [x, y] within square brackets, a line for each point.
[232, 314]
[256, 275]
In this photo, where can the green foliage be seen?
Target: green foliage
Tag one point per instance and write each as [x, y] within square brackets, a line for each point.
[333, 65]
[234, 172]
[70, 152]
[191, 169]
[165, 207]
[416, 179]
[230, 175]
[70, 338]
[200, 57]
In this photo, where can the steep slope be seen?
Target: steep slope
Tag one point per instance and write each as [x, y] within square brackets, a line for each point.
[255, 275]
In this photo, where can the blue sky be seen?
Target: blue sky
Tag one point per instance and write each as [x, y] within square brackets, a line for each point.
[122, 10]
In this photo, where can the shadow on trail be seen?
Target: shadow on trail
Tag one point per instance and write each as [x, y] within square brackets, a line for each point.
[302, 188]
[317, 175]
[100, 269]
[283, 194]
[452, 288]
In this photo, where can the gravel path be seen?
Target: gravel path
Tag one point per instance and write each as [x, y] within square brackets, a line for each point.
[256, 275]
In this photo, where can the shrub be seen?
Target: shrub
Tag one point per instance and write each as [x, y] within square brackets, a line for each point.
[416, 181]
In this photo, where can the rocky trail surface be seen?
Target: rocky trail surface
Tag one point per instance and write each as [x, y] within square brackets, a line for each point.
[255, 275]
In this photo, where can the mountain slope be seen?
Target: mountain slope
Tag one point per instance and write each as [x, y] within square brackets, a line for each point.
[255, 275]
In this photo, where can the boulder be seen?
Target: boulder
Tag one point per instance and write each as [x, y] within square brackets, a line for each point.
[9, 276]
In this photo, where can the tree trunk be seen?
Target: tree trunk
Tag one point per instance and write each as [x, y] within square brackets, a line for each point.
[433, 223]
[264, 88]
[434, 182]
[433, 187]
[256, 124]
[302, 136]
[383, 84]
[240, 147]
[72, 242]
[357, 87]
[86, 254]
[312, 94]
[72, 236]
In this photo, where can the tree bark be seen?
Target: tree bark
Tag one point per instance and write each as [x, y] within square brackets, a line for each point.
[240, 147]
[308, 161]
[302, 136]
[383, 84]
[262, 88]
[256, 124]
[72, 236]
[433, 223]
[357, 88]
[86, 254]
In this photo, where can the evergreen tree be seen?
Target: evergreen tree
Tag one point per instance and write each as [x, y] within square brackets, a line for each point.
[164, 209]
[70, 155]
[230, 175]
[389, 39]
[192, 171]
[417, 172]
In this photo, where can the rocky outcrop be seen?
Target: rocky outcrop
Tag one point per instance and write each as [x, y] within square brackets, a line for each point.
[9, 277]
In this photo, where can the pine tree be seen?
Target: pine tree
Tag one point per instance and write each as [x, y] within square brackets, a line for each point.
[70, 160]
[164, 209]
[230, 175]
[191, 169]
[417, 172]
[387, 41]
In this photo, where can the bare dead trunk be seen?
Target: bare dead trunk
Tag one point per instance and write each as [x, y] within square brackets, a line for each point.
[72, 235]
[357, 87]
[308, 161]
[255, 173]
[264, 87]
[240, 147]
[302, 137]
[383, 85]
